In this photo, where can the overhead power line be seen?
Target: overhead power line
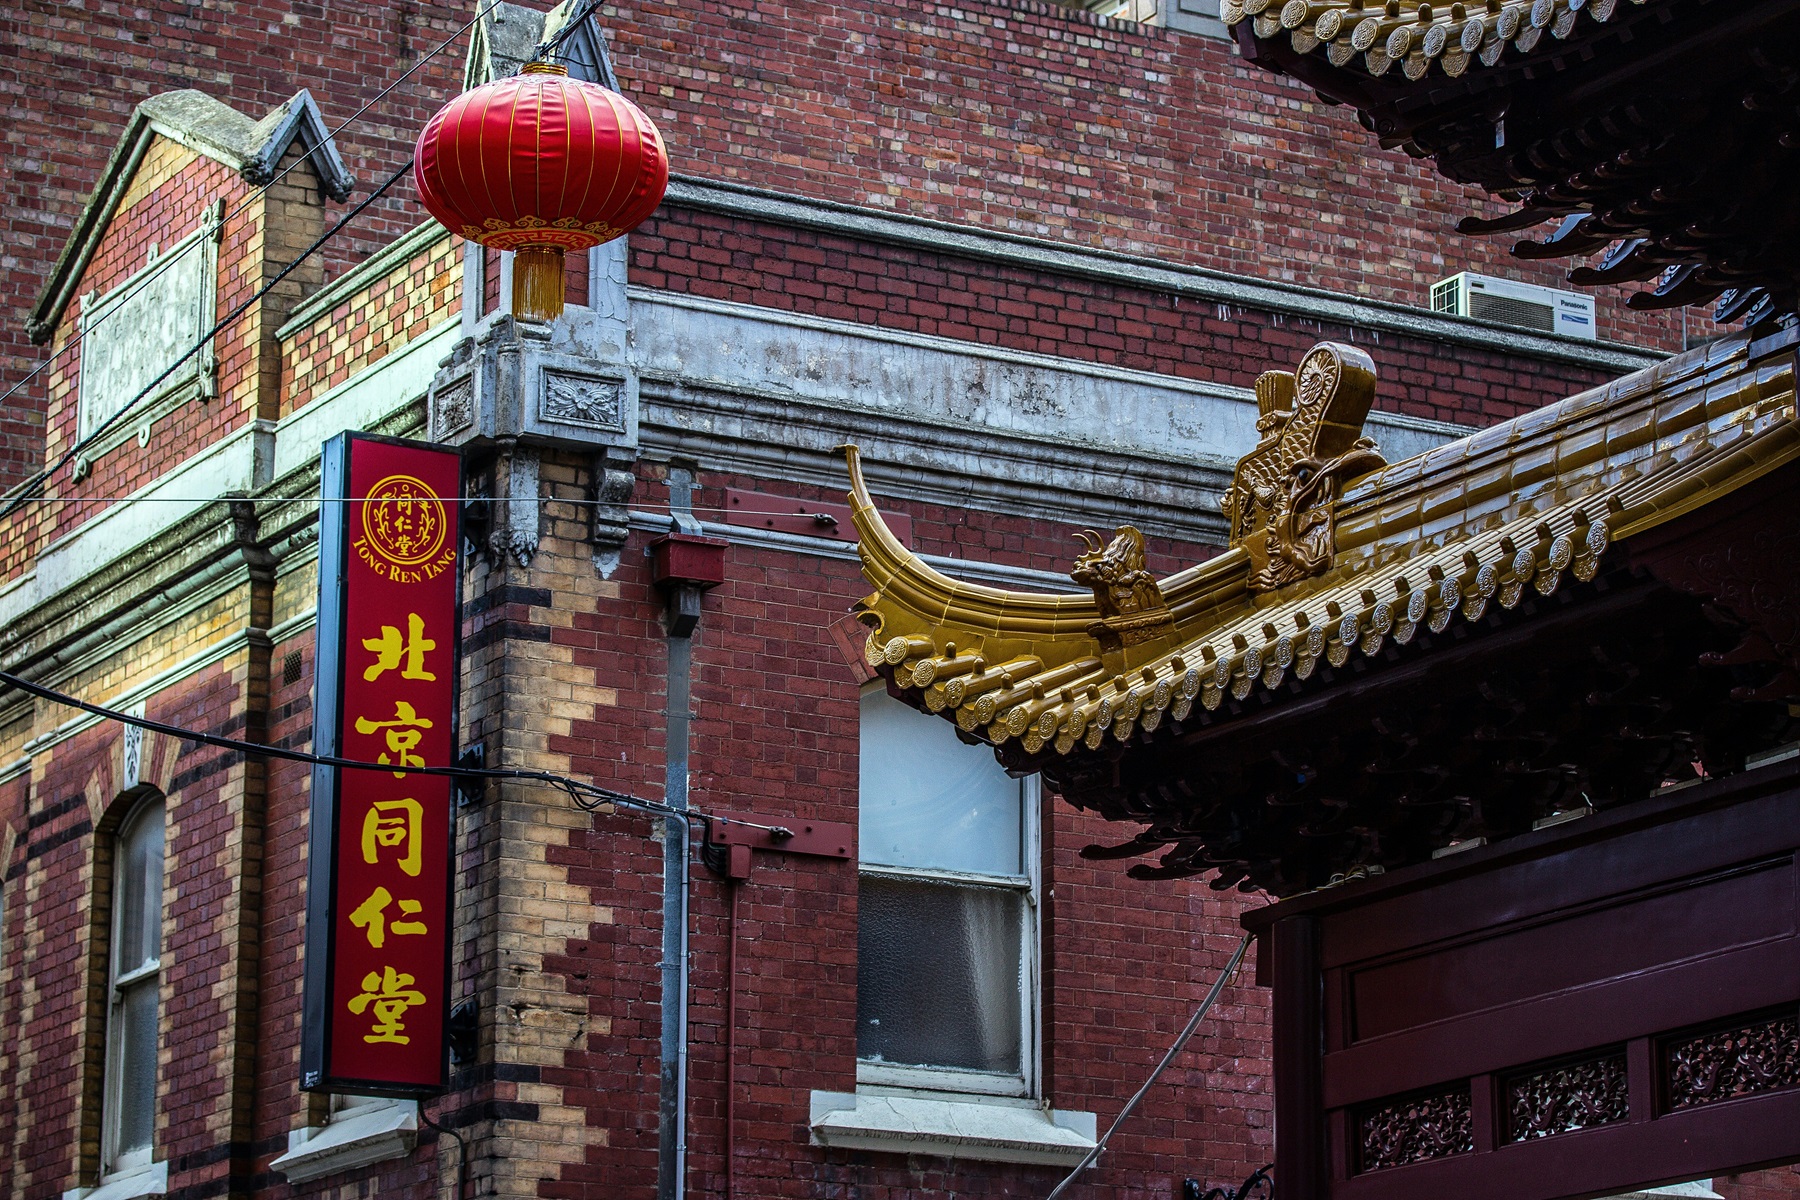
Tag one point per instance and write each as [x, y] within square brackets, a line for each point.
[163, 263]
[27, 490]
[587, 796]
[1212, 997]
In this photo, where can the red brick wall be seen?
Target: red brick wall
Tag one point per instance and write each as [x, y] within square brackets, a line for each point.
[1022, 117]
[75, 74]
[799, 270]
[169, 213]
[1010, 116]
[1782, 1183]
[167, 204]
[1130, 960]
[57, 923]
[775, 735]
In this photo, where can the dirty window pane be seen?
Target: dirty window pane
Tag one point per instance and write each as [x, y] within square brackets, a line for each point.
[134, 1025]
[138, 876]
[939, 978]
[137, 1053]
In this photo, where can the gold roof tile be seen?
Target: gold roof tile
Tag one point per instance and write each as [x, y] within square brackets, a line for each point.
[1520, 507]
[1417, 36]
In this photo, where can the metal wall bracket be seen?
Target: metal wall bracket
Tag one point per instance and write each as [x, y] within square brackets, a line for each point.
[469, 791]
[1258, 1187]
[730, 838]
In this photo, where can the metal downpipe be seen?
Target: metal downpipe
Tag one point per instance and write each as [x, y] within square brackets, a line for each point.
[671, 1156]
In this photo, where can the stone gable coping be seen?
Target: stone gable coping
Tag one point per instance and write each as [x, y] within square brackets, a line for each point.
[207, 126]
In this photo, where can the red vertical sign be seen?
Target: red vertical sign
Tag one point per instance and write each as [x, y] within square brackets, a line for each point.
[379, 913]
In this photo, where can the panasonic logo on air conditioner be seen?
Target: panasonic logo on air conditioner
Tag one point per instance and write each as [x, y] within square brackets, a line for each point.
[1509, 302]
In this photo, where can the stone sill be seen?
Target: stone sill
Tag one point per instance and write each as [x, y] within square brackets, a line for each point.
[984, 1128]
[353, 1140]
[152, 1180]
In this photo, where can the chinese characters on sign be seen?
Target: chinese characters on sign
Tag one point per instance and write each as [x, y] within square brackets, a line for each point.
[379, 905]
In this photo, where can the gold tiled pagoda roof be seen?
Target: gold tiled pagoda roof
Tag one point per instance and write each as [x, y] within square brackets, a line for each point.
[1415, 37]
[1441, 537]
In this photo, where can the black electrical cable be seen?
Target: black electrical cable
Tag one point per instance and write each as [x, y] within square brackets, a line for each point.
[462, 1153]
[596, 795]
[30, 487]
[587, 796]
[28, 490]
[545, 47]
[1212, 997]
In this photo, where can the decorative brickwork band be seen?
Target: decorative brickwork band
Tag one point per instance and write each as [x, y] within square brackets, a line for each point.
[1566, 1098]
[1416, 1129]
[1736, 1062]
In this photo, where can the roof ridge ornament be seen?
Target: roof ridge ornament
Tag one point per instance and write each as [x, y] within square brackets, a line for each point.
[1281, 505]
[1132, 608]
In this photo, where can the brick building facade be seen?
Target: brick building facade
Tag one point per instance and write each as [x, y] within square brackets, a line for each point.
[1029, 259]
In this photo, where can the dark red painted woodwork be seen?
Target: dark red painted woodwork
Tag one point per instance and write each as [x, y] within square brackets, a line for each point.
[1621, 932]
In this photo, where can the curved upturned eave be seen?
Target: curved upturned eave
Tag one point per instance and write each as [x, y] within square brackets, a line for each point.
[902, 579]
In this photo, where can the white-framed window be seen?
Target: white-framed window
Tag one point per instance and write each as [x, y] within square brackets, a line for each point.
[947, 927]
[128, 1106]
[1192, 16]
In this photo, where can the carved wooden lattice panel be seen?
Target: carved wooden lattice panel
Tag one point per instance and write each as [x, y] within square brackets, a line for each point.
[1562, 1099]
[1744, 1060]
[1604, 1005]
[1416, 1129]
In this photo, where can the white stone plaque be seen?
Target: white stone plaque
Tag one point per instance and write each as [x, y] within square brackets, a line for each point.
[137, 331]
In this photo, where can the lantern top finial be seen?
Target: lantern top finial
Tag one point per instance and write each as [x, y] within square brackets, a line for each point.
[540, 67]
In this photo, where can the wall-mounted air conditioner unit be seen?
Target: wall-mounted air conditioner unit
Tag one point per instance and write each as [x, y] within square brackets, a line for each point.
[1509, 302]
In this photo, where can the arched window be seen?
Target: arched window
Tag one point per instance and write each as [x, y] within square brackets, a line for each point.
[129, 1105]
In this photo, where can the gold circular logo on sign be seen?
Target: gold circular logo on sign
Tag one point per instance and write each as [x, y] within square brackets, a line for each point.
[403, 521]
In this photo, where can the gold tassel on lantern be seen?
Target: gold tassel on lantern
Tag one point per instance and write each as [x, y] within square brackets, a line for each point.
[537, 284]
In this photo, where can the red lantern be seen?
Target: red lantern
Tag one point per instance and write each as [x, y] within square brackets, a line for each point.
[540, 164]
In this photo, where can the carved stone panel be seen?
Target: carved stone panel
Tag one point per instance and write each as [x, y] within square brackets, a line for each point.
[131, 751]
[143, 328]
[1565, 1098]
[571, 398]
[452, 407]
[547, 385]
[1416, 1129]
[1724, 1065]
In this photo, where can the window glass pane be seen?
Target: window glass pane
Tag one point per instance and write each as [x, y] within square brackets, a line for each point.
[139, 880]
[928, 800]
[137, 1066]
[137, 942]
[938, 976]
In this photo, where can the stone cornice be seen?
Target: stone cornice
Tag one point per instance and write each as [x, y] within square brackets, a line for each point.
[1126, 270]
[779, 437]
